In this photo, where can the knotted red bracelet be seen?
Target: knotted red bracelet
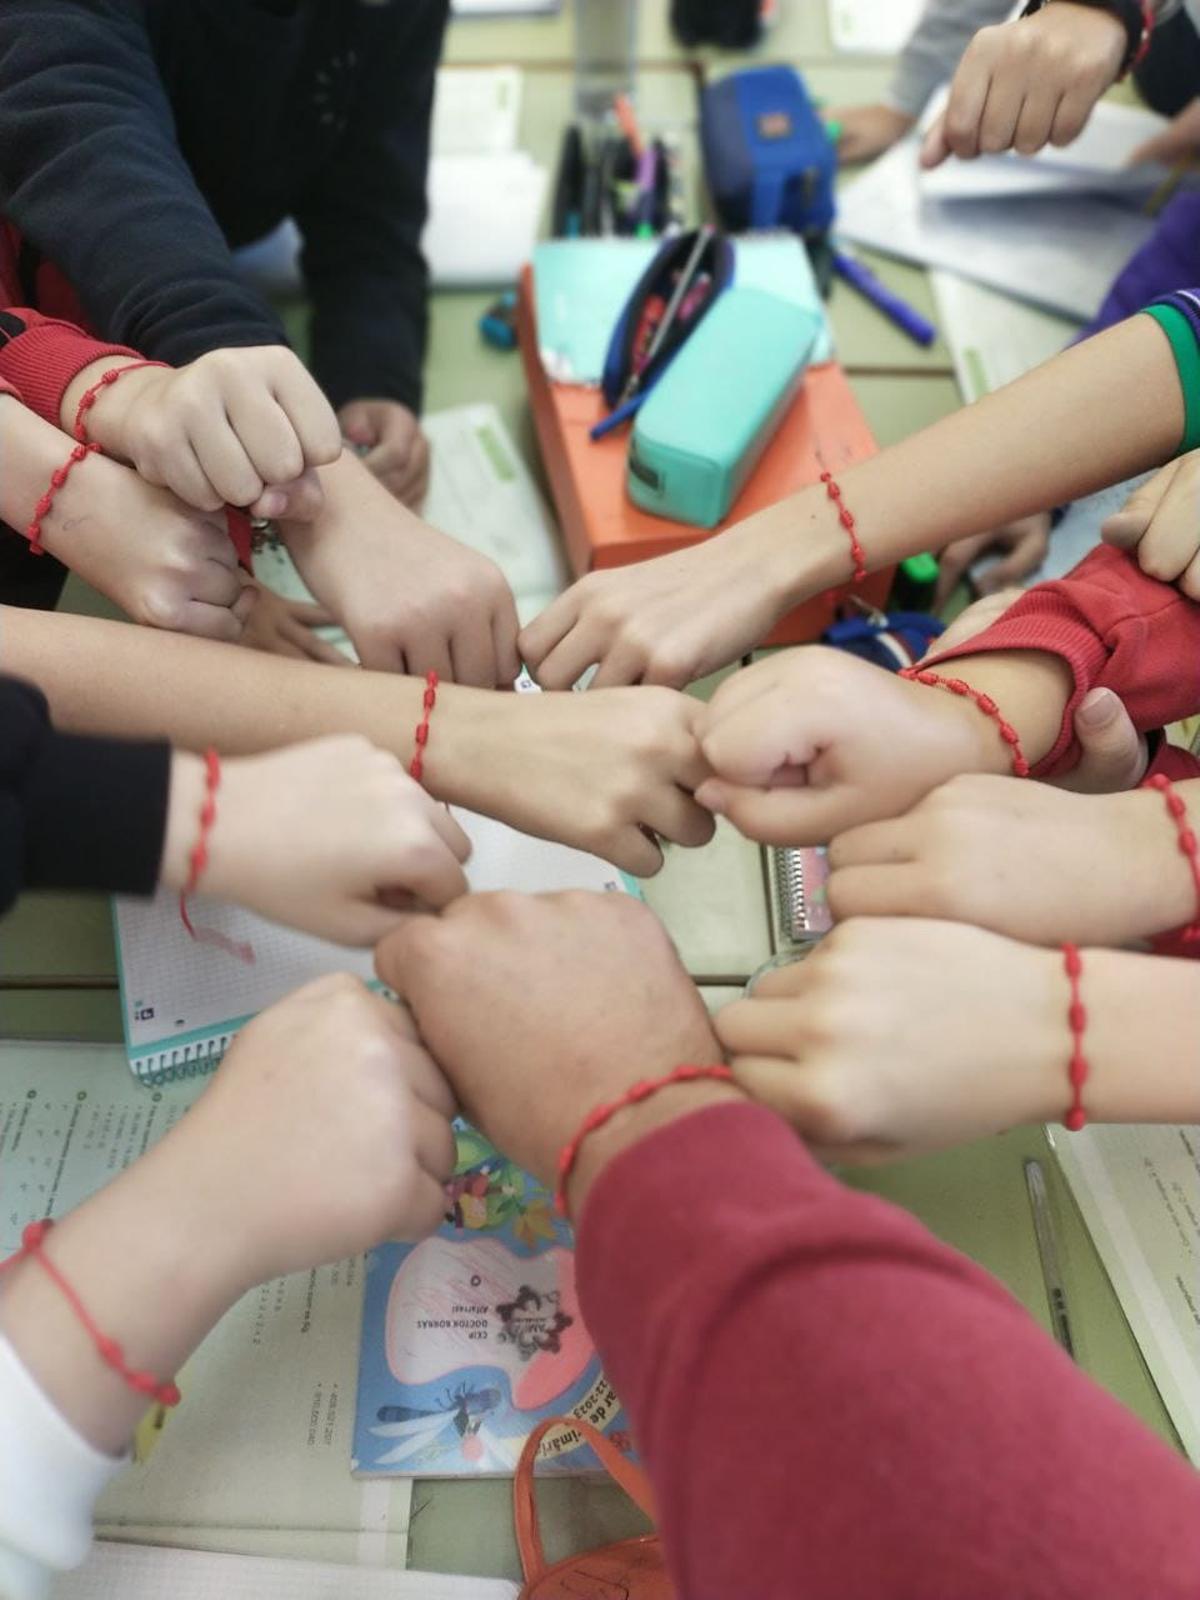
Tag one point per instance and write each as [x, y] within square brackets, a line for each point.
[1187, 842]
[846, 518]
[599, 1115]
[416, 766]
[1076, 1116]
[243, 950]
[33, 1238]
[89, 396]
[985, 703]
[42, 510]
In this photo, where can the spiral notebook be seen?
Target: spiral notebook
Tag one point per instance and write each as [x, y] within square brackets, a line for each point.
[182, 1002]
[798, 878]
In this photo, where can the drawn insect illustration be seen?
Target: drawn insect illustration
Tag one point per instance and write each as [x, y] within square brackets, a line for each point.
[462, 1411]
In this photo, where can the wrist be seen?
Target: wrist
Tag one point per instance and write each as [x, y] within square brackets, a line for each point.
[106, 418]
[184, 799]
[629, 1127]
[799, 547]
[1161, 891]
[1031, 689]
[1118, 28]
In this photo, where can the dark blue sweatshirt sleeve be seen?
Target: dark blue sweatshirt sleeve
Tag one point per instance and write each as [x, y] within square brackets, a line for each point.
[76, 812]
[363, 217]
[91, 174]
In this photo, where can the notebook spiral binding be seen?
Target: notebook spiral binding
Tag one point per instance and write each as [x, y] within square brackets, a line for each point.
[182, 1061]
[791, 894]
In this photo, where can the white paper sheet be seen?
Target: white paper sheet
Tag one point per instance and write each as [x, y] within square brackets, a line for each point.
[476, 110]
[1096, 162]
[1139, 1192]
[1062, 253]
[139, 1572]
[872, 27]
[992, 337]
[484, 212]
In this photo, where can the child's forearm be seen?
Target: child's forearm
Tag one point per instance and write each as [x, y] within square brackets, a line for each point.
[32, 452]
[1098, 413]
[109, 677]
[1143, 1037]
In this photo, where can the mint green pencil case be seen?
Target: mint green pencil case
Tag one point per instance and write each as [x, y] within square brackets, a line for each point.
[708, 419]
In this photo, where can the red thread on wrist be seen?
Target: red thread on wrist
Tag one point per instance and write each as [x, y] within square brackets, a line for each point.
[1187, 842]
[985, 703]
[846, 518]
[42, 510]
[416, 766]
[1076, 1116]
[33, 1239]
[89, 396]
[198, 861]
[599, 1115]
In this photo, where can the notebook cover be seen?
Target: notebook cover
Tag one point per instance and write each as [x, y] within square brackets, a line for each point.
[603, 528]
[474, 1336]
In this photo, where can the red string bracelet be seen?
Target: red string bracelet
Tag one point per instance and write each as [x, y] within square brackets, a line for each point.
[33, 1239]
[198, 860]
[846, 518]
[1076, 1116]
[1187, 841]
[599, 1115]
[985, 703]
[42, 510]
[416, 766]
[89, 396]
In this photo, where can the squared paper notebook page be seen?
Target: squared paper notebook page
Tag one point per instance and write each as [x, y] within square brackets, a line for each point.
[1061, 252]
[137, 1572]
[182, 1001]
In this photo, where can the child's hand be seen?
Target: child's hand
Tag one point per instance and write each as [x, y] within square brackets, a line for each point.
[234, 427]
[810, 742]
[162, 562]
[411, 598]
[397, 452]
[331, 836]
[895, 1037]
[325, 1132]
[1025, 544]
[667, 621]
[1026, 860]
[867, 131]
[288, 628]
[1023, 85]
[611, 771]
[573, 998]
[1161, 521]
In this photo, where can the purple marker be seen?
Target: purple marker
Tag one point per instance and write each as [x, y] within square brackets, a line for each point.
[896, 310]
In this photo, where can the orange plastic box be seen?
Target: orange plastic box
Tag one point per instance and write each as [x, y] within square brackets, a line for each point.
[603, 528]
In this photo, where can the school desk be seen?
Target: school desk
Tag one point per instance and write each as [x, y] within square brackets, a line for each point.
[56, 962]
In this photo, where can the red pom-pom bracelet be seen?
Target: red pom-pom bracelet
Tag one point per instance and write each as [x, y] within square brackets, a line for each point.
[846, 518]
[1187, 841]
[416, 766]
[599, 1115]
[985, 703]
[42, 510]
[33, 1239]
[89, 396]
[1076, 1116]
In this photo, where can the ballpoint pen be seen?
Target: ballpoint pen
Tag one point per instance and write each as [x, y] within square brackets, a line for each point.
[1047, 1243]
[861, 277]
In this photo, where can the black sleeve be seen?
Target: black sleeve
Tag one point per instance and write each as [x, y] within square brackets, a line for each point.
[91, 173]
[362, 221]
[75, 812]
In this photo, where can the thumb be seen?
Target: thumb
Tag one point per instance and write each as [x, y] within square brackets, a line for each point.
[1125, 528]
[1114, 753]
[358, 423]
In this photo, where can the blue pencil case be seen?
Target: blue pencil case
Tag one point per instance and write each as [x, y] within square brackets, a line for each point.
[768, 159]
[712, 414]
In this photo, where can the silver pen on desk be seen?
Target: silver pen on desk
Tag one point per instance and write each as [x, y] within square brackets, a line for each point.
[1047, 1243]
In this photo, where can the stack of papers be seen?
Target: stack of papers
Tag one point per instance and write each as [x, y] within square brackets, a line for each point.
[1095, 163]
[485, 195]
[1060, 251]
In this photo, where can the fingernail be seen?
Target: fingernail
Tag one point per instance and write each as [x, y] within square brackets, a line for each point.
[1098, 708]
[709, 795]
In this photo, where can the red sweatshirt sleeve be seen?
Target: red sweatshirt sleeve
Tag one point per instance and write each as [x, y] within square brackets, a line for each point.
[1116, 629]
[832, 1404]
[40, 356]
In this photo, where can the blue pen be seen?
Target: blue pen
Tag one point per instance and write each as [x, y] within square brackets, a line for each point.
[896, 310]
